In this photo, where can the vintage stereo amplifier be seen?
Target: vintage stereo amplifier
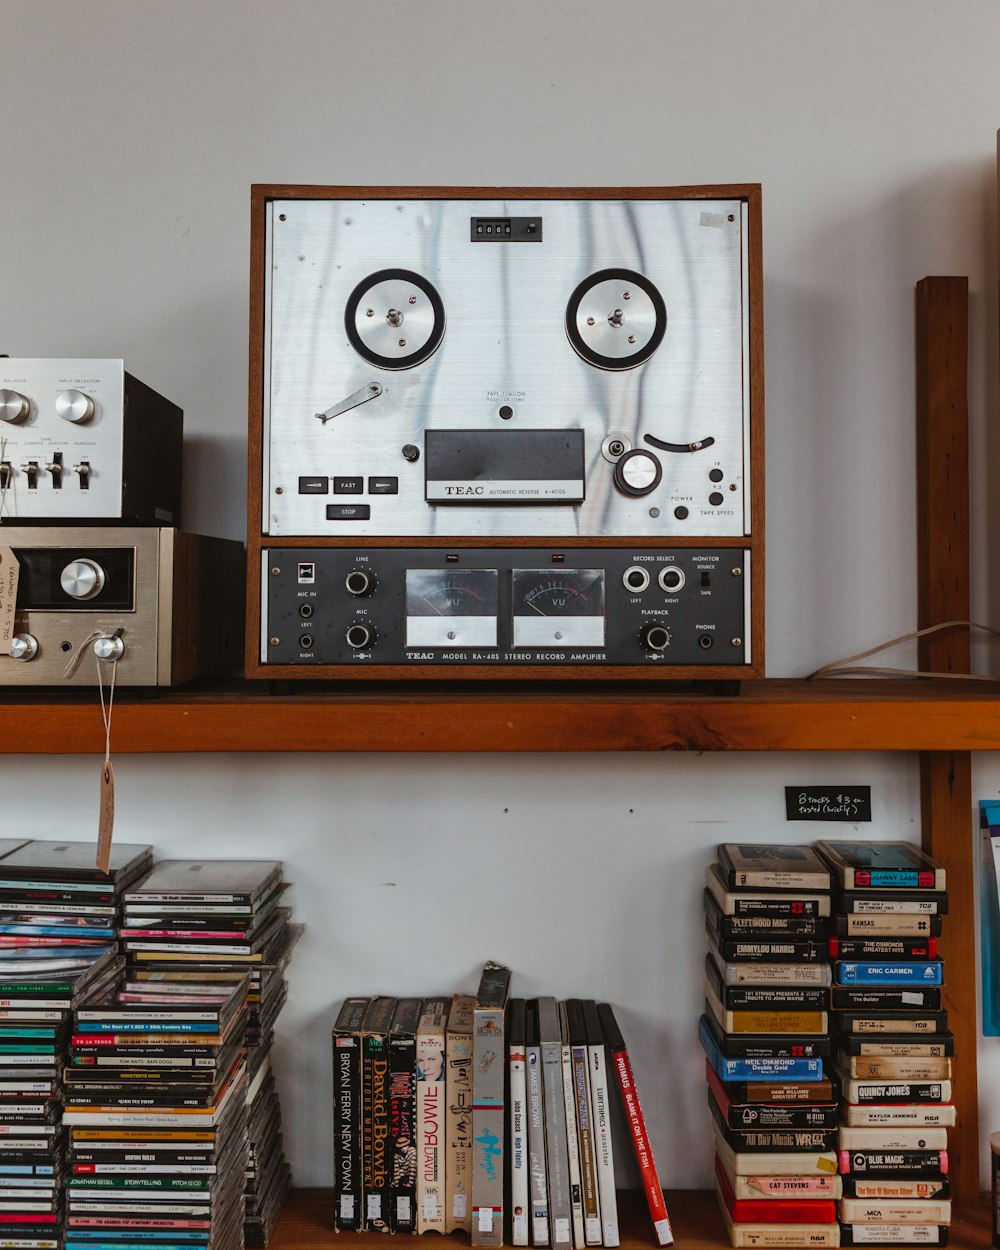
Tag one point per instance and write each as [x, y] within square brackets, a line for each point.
[506, 433]
[82, 440]
[167, 605]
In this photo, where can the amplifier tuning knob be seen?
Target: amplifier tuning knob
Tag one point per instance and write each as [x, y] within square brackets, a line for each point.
[360, 637]
[82, 579]
[110, 647]
[74, 406]
[358, 582]
[23, 647]
[13, 406]
[655, 637]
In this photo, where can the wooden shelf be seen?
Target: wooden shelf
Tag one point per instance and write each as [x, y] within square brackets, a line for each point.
[306, 1223]
[773, 715]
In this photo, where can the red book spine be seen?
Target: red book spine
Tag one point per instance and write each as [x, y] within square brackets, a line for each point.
[643, 1150]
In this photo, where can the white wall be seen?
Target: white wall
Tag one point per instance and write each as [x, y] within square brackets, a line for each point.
[131, 131]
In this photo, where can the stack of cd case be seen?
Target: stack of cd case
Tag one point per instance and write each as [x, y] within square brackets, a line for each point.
[155, 1103]
[199, 921]
[765, 1036]
[57, 926]
[893, 1049]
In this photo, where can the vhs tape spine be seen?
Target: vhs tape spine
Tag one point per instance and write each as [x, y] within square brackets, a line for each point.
[488, 1053]
[431, 1094]
[402, 1116]
[600, 1099]
[572, 1136]
[347, 1115]
[537, 1178]
[458, 1115]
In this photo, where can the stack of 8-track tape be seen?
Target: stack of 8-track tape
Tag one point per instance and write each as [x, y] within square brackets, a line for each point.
[765, 1036]
[893, 1047]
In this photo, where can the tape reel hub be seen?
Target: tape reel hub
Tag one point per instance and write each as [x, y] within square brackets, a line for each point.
[616, 319]
[394, 319]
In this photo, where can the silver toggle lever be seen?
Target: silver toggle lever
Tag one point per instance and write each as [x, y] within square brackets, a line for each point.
[372, 391]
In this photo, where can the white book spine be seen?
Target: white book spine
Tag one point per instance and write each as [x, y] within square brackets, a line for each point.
[604, 1151]
[573, 1148]
[518, 1148]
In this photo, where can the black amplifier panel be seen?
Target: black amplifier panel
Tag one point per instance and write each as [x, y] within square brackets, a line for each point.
[505, 606]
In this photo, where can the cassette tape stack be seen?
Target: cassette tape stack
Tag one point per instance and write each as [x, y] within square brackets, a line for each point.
[501, 432]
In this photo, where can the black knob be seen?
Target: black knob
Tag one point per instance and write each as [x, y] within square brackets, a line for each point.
[359, 637]
[411, 452]
[358, 582]
[655, 637]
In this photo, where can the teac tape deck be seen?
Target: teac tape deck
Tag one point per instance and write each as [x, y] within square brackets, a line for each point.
[515, 383]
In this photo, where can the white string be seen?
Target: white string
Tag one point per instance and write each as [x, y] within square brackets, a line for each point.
[77, 656]
[841, 668]
[106, 711]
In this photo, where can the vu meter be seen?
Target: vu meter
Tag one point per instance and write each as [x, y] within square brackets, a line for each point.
[558, 609]
[454, 608]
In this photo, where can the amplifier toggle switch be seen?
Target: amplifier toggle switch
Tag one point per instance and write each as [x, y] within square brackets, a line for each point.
[55, 467]
[83, 469]
[30, 471]
[358, 582]
[82, 579]
[74, 406]
[359, 637]
[23, 647]
[110, 647]
[655, 637]
[13, 406]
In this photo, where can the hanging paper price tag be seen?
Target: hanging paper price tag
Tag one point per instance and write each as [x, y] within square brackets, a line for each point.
[9, 572]
[106, 822]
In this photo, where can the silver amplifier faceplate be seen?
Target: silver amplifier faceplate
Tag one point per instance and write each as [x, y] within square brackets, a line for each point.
[422, 381]
[61, 427]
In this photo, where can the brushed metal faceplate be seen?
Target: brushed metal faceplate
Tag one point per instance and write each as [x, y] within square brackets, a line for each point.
[505, 363]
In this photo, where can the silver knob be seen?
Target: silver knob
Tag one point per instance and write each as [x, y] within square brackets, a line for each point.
[23, 647]
[13, 406]
[74, 406]
[109, 648]
[82, 579]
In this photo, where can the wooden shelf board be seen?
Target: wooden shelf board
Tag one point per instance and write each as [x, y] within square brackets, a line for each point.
[307, 1223]
[771, 715]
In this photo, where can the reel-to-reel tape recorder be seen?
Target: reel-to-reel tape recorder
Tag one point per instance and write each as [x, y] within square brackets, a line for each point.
[506, 433]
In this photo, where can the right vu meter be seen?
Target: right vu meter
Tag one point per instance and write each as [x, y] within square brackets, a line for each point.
[506, 432]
